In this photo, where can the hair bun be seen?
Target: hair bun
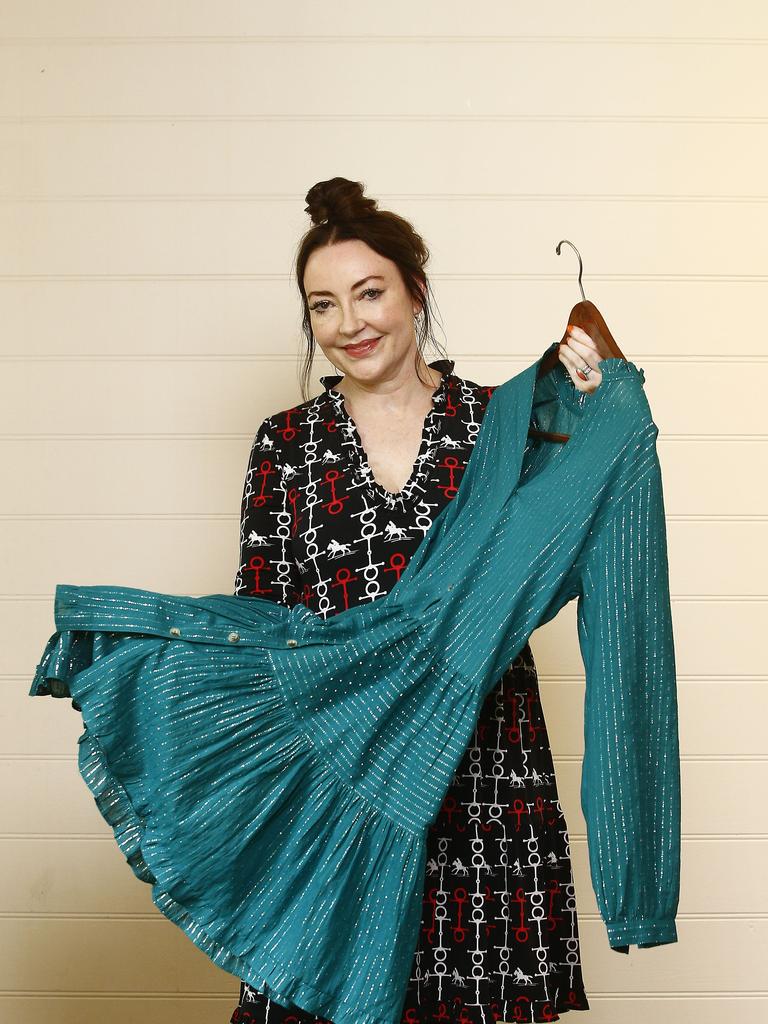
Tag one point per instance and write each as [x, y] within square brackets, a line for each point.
[338, 200]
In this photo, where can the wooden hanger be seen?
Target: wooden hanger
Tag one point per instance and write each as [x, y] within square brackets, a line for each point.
[588, 317]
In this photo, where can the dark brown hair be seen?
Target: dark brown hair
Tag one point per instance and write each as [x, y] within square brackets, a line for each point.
[340, 210]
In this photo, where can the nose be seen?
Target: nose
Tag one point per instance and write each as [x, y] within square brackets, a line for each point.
[350, 323]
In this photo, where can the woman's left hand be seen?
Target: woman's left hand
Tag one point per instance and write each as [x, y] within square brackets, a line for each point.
[578, 351]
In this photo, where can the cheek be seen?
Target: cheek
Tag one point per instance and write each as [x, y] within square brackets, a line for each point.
[325, 330]
[392, 322]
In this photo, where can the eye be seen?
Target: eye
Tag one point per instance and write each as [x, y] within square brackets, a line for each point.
[322, 304]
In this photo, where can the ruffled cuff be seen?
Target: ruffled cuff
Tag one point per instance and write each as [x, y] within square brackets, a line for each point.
[66, 653]
[642, 932]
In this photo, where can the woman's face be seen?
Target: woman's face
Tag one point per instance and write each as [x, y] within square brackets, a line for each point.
[355, 294]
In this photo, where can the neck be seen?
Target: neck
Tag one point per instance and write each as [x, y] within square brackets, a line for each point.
[392, 396]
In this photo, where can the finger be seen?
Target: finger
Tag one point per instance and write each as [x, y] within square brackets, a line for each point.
[580, 345]
[603, 352]
[567, 358]
[582, 353]
[580, 335]
[574, 364]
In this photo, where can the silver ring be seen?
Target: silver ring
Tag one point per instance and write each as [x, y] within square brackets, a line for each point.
[586, 370]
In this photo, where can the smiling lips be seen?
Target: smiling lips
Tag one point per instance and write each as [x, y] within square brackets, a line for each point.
[362, 348]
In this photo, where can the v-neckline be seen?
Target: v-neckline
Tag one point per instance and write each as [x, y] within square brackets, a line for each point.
[430, 433]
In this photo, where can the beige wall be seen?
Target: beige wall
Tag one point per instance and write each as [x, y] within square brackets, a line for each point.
[153, 163]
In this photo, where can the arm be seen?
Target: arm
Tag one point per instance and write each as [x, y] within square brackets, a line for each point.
[630, 784]
[267, 567]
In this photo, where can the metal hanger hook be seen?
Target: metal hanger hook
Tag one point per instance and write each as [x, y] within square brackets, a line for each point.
[557, 250]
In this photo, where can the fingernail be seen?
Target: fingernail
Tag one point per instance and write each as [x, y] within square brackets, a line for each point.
[570, 327]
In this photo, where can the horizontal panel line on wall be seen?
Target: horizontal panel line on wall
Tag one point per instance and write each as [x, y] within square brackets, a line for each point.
[232, 517]
[279, 358]
[397, 40]
[189, 995]
[461, 278]
[485, 197]
[551, 678]
[143, 436]
[170, 517]
[375, 118]
[675, 598]
[41, 915]
[720, 598]
[574, 837]
[545, 678]
[559, 758]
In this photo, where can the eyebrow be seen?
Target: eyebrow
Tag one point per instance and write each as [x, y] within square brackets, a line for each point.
[355, 285]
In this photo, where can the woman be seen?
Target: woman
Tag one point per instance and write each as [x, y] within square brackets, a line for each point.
[338, 493]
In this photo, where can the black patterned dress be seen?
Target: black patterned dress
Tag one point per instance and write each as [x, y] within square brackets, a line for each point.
[499, 938]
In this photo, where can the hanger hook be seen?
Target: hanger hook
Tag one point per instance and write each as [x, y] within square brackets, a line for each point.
[557, 250]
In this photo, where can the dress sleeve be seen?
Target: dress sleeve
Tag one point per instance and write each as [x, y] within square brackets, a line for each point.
[630, 783]
[267, 567]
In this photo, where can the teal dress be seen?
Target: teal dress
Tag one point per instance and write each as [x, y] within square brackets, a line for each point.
[341, 735]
